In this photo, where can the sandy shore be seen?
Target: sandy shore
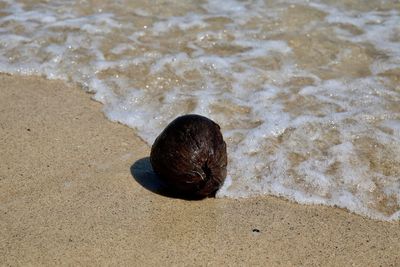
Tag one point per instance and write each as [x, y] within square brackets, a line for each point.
[73, 191]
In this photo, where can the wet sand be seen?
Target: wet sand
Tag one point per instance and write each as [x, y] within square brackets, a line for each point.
[73, 191]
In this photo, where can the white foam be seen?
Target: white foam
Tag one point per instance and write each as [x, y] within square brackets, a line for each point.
[301, 125]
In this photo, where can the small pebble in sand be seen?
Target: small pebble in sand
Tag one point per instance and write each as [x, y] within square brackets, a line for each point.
[190, 156]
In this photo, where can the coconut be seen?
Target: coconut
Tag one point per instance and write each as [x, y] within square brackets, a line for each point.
[190, 156]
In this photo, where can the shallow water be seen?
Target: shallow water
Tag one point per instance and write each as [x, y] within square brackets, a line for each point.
[307, 92]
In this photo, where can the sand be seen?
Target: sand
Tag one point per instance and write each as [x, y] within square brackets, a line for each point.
[74, 190]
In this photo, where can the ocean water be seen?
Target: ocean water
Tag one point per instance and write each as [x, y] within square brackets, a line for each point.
[307, 93]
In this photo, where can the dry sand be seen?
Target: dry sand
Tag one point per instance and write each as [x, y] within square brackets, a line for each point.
[73, 191]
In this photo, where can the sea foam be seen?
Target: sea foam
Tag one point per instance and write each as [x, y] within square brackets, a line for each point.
[306, 93]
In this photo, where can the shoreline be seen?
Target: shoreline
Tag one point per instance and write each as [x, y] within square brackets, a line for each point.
[68, 195]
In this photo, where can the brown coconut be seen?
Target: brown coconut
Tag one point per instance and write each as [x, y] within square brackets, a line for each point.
[190, 156]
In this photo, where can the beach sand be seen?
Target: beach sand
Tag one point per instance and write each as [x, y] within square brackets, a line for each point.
[73, 191]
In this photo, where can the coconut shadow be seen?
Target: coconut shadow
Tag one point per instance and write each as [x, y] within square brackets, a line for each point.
[143, 173]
